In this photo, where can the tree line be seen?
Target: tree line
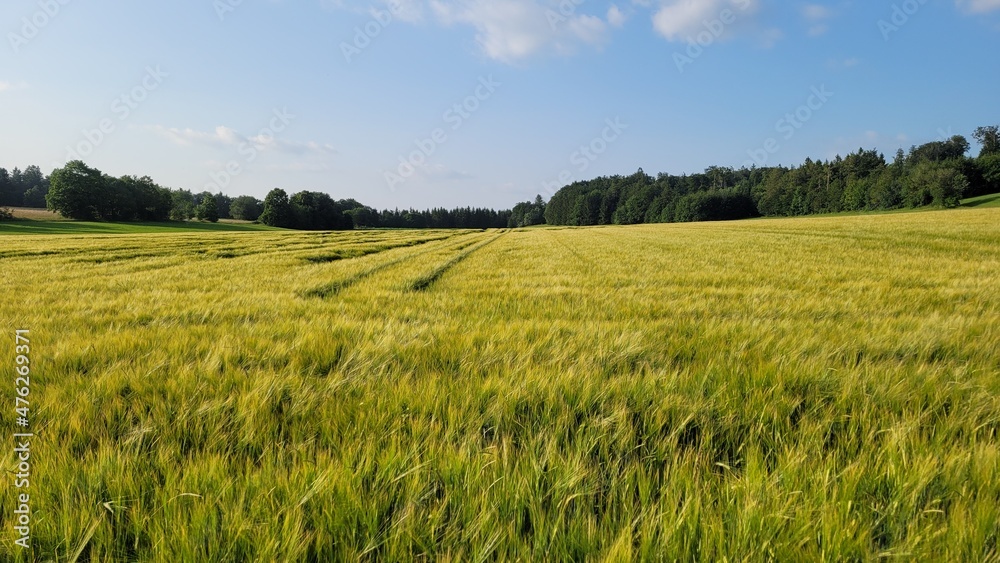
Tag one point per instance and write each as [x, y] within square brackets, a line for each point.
[319, 211]
[23, 188]
[936, 173]
[81, 192]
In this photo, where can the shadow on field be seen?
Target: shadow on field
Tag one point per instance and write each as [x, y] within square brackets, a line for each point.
[985, 201]
[64, 227]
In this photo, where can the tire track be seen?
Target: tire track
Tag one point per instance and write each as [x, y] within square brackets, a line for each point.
[333, 288]
[583, 260]
[427, 280]
[348, 253]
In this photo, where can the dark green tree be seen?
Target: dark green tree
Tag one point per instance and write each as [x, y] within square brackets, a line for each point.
[277, 210]
[989, 169]
[6, 188]
[208, 209]
[936, 183]
[528, 213]
[77, 191]
[939, 151]
[152, 202]
[119, 202]
[16, 185]
[363, 217]
[318, 211]
[182, 205]
[15, 191]
[35, 196]
[246, 208]
[224, 205]
[989, 138]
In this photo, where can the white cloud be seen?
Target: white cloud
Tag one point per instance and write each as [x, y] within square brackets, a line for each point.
[843, 63]
[506, 30]
[768, 37]
[10, 86]
[589, 29]
[406, 10]
[816, 15]
[222, 136]
[514, 30]
[978, 6]
[440, 172]
[427, 174]
[816, 12]
[298, 166]
[681, 20]
[511, 30]
[227, 137]
[615, 16]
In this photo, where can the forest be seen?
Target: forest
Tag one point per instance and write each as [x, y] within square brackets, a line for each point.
[81, 192]
[937, 173]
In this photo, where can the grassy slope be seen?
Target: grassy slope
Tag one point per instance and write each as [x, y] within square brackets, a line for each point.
[992, 200]
[981, 201]
[63, 227]
[797, 389]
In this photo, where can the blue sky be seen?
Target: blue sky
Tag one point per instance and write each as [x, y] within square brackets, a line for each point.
[420, 103]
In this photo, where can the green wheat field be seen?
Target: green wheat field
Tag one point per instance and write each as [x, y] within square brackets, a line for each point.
[794, 389]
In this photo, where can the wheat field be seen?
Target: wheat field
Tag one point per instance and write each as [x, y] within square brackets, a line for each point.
[799, 389]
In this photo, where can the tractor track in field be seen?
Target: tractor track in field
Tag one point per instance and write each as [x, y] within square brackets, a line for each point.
[180, 253]
[583, 259]
[424, 282]
[331, 289]
[217, 249]
[349, 253]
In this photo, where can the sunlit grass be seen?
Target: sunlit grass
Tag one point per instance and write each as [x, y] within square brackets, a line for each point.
[992, 200]
[803, 389]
